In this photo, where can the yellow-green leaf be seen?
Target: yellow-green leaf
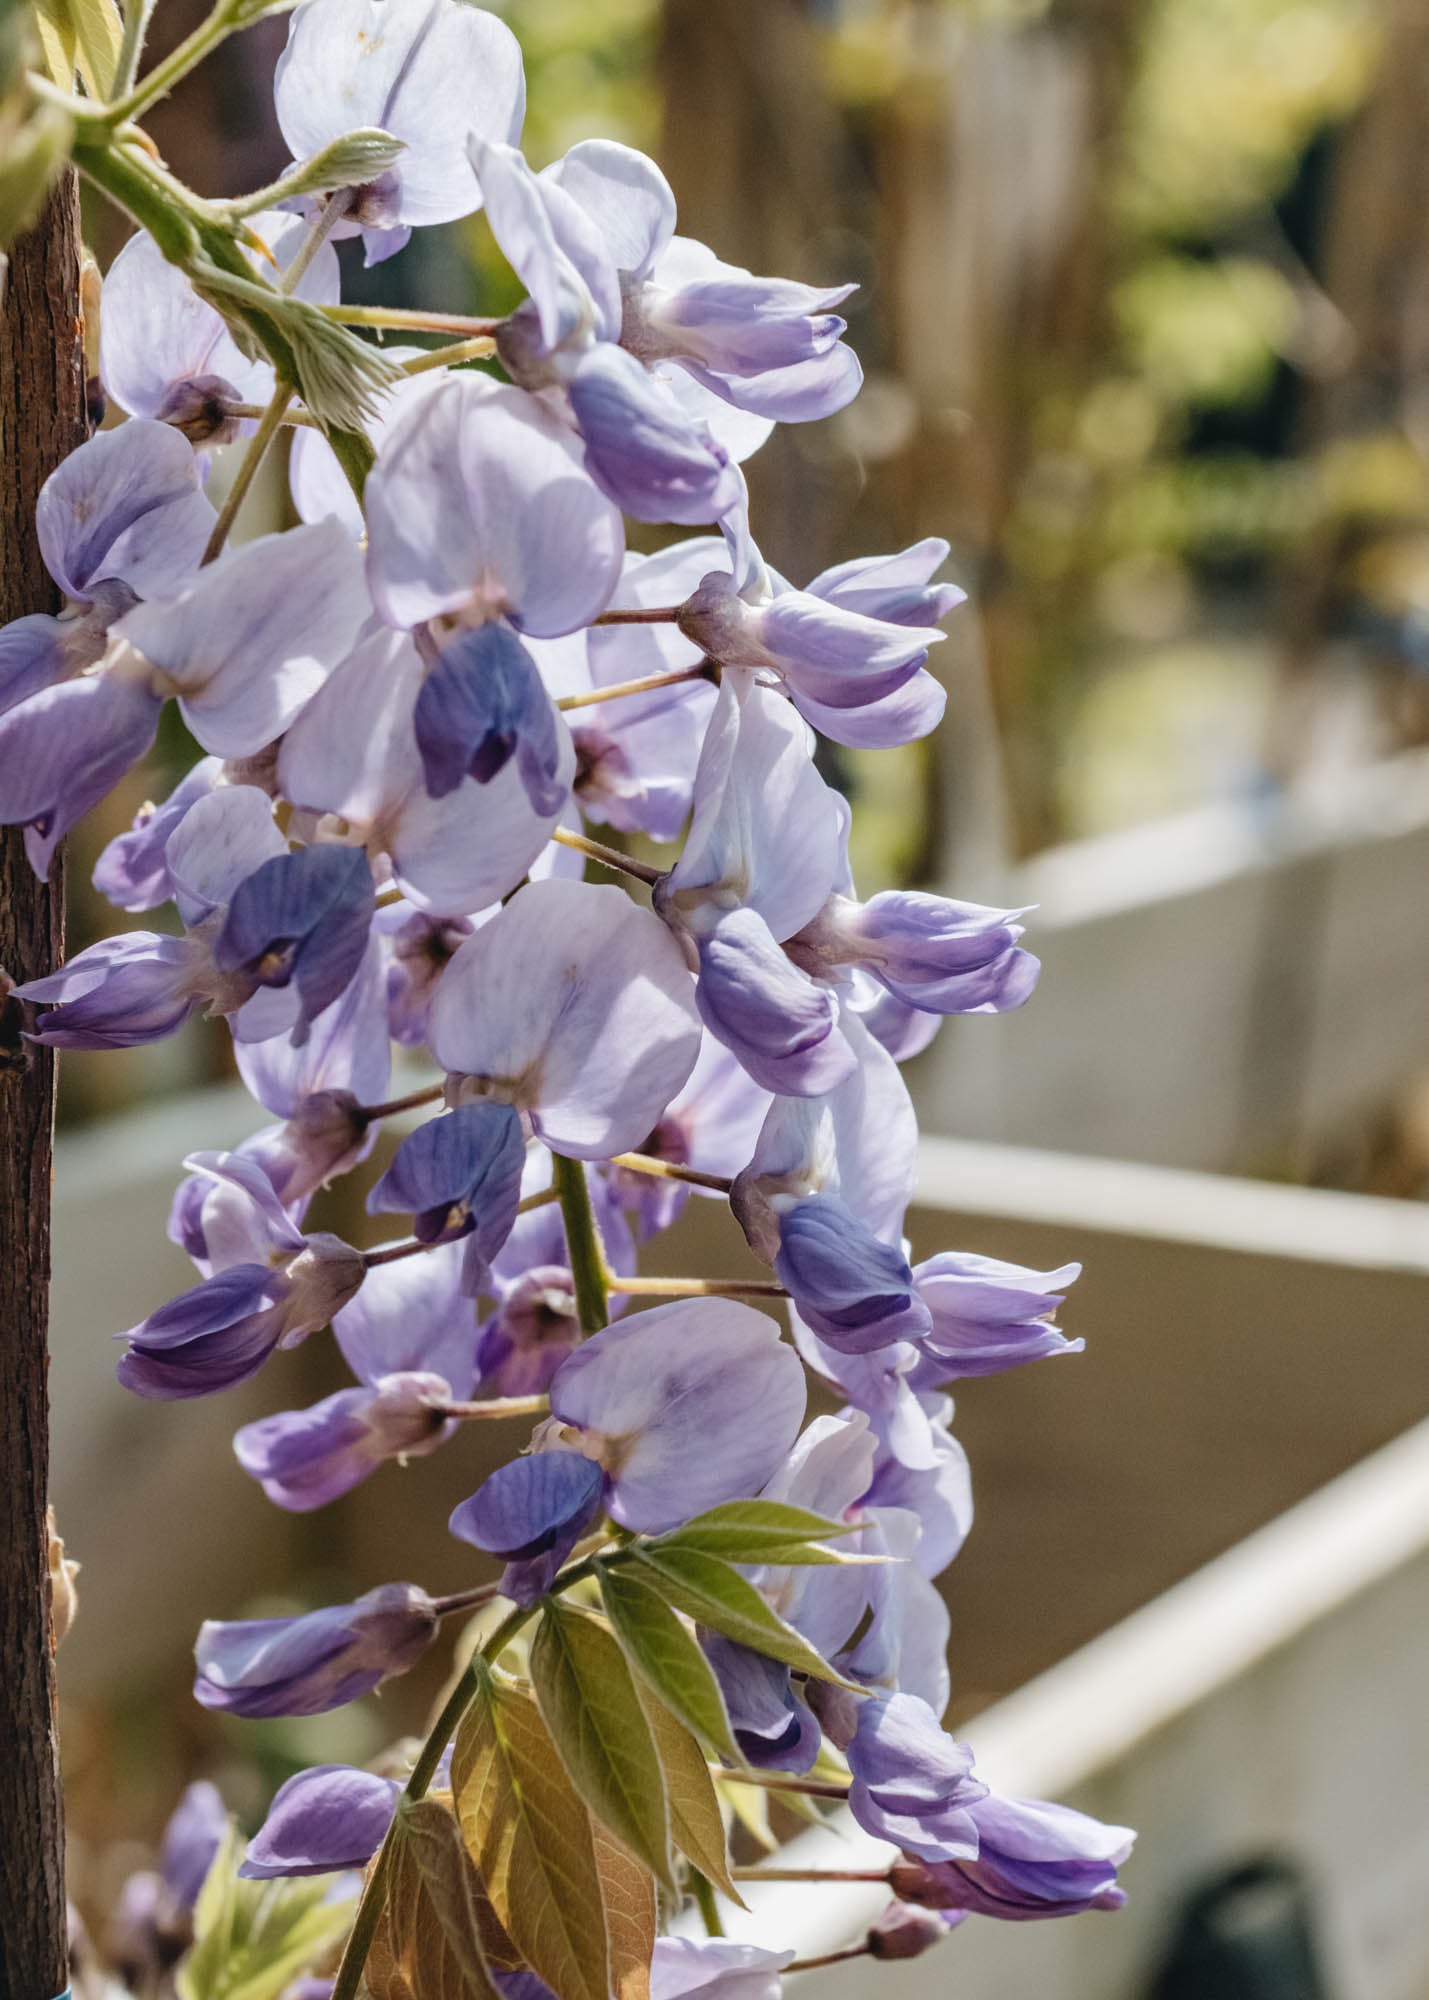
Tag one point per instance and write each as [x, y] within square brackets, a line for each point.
[696, 1823]
[83, 35]
[251, 1939]
[529, 1834]
[587, 1696]
[709, 1590]
[432, 1917]
[666, 1655]
[761, 1531]
[628, 1892]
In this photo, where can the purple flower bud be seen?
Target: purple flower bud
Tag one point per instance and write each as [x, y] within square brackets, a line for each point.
[327, 1135]
[904, 1931]
[772, 1725]
[320, 1821]
[912, 1784]
[1033, 1859]
[715, 1969]
[271, 1287]
[987, 1316]
[192, 1838]
[65, 748]
[323, 1660]
[837, 658]
[930, 952]
[854, 1291]
[118, 994]
[642, 451]
[305, 1458]
[783, 1028]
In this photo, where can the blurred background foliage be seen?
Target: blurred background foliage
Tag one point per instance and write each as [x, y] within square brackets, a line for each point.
[1144, 309]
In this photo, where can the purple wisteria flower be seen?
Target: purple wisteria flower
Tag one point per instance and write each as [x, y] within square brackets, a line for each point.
[166, 353]
[132, 871]
[987, 1316]
[715, 1969]
[912, 1784]
[305, 1458]
[322, 1660]
[712, 1126]
[412, 1318]
[430, 72]
[928, 951]
[824, 1196]
[574, 1006]
[152, 1924]
[761, 856]
[1033, 1860]
[273, 938]
[657, 1418]
[459, 1178]
[352, 762]
[325, 1819]
[269, 1287]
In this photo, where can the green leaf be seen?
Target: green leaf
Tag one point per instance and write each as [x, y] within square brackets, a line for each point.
[666, 1655]
[427, 1944]
[696, 1822]
[762, 1531]
[529, 1834]
[251, 1939]
[708, 1590]
[588, 1699]
[351, 161]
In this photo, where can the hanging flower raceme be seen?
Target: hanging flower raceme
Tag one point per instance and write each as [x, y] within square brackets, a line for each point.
[412, 709]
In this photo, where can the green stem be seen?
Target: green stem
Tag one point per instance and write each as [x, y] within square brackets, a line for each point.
[622, 688]
[214, 28]
[136, 25]
[333, 210]
[374, 1895]
[698, 1288]
[702, 1889]
[828, 1958]
[248, 467]
[475, 349]
[583, 1243]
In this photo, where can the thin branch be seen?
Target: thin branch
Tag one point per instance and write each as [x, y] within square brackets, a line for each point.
[666, 1170]
[396, 1253]
[475, 349]
[248, 465]
[608, 857]
[404, 318]
[828, 1958]
[259, 410]
[698, 1288]
[660, 614]
[329, 216]
[466, 1600]
[502, 1406]
[643, 686]
[583, 1244]
[431, 1093]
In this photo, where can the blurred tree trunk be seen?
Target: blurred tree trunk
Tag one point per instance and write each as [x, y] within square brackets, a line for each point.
[1374, 377]
[758, 158]
[42, 417]
[997, 160]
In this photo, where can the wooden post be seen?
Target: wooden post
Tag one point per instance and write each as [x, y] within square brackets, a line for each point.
[42, 417]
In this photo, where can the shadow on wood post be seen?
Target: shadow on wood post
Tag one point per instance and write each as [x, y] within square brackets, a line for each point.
[42, 417]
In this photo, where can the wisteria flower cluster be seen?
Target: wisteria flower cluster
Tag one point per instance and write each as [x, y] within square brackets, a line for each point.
[413, 707]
